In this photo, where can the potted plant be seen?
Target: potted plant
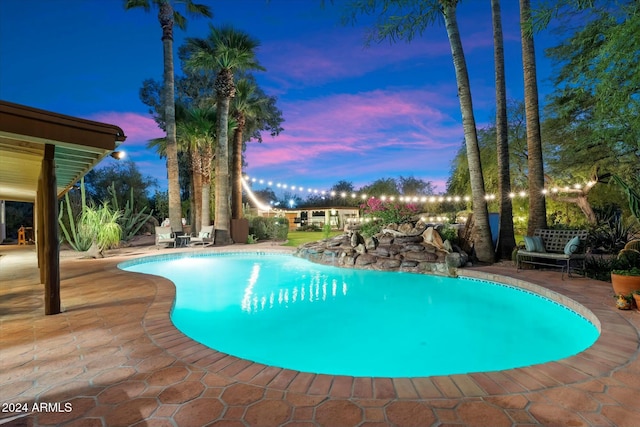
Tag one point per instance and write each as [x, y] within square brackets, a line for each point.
[624, 302]
[625, 279]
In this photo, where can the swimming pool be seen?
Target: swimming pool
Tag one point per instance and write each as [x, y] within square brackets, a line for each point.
[288, 312]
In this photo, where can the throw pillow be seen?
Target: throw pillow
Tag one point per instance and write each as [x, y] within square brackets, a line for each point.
[164, 236]
[539, 244]
[203, 235]
[529, 244]
[572, 246]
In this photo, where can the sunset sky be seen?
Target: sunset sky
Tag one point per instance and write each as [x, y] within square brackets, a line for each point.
[351, 113]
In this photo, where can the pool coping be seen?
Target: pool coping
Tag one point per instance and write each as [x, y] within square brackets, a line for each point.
[614, 348]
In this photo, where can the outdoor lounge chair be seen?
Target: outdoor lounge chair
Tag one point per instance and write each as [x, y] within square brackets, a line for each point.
[204, 238]
[165, 236]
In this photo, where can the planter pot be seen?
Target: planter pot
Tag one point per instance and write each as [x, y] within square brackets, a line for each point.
[637, 298]
[624, 285]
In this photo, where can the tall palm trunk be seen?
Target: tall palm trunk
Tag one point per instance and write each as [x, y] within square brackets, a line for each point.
[226, 90]
[482, 233]
[165, 16]
[207, 159]
[196, 172]
[236, 173]
[537, 203]
[506, 238]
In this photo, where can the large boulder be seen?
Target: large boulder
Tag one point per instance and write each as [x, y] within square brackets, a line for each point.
[433, 238]
[385, 239]
[401, 240]
[405, 228]
[370, 243]
[420, 256]
[388, 264]
[365, 259]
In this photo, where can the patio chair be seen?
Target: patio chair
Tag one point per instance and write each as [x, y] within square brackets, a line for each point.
[165, 236]
[633, 244]
[204, 238]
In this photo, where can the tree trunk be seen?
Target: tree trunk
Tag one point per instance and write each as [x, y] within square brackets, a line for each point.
[196, 170]
[482, 234]
[506, 238]
[222, 211]
[537, 203]
[207, 159]
[236, 192]
[580, 199]
[165, 16]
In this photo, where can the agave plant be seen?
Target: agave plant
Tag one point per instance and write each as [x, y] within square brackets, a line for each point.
[102, 224]
[632, 195]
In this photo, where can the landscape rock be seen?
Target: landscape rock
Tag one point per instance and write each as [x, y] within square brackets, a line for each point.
[366, 259]
[405, 228]
[370, 243]
[410, 247]
[388, 264]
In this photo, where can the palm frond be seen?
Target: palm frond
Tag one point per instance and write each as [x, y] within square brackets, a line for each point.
[131, 4]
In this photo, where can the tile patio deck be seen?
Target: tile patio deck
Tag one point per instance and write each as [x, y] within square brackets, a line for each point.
[116, 359]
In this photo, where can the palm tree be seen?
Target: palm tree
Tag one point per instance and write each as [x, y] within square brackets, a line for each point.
[246, 105]
[483, 243]
[227, 51]
[506, 238]
[537, 203]
[405, 19]
[196, 132]
[168, 16]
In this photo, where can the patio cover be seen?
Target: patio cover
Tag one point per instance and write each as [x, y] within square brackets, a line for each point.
[42, 155]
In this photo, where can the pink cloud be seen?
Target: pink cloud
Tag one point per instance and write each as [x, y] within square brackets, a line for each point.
[138, 128]
[359, 124]
[354, 137]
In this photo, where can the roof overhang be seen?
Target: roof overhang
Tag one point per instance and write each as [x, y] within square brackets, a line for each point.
[24, 132]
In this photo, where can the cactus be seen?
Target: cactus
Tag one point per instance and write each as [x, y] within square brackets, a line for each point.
[130, 221]
[78, 239]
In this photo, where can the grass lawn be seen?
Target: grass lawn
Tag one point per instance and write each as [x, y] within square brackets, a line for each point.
[297, 238]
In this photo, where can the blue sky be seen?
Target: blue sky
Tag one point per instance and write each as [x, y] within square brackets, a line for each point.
[351, 113]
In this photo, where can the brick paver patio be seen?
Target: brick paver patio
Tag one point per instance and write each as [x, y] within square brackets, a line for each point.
[113, 358]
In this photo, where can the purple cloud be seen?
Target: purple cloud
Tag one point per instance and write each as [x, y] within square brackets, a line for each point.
[366, 133]
[138, 128]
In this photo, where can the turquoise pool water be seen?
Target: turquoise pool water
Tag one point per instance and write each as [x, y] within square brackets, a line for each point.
[287, 312]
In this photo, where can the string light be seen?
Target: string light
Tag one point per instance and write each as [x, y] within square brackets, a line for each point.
[415, 199]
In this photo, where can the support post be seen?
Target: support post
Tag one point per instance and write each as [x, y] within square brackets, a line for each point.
[51, 247]
[40, 225]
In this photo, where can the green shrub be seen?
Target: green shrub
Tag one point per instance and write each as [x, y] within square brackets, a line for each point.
[371, 227]
[309, 227]
[599, 268]
[268, 228]
[326, 231]
[131, 219]
[449, 233]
